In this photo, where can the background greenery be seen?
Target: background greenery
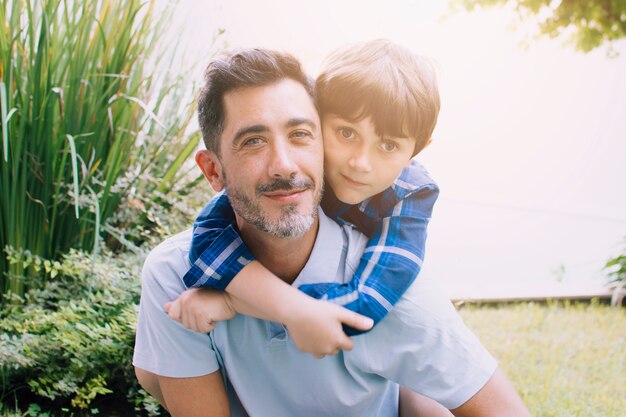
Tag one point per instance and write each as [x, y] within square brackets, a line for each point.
[564, 359]
[87, 122]
[586, 24]
[96, 139]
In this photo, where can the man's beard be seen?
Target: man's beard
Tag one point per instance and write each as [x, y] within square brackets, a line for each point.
[290, 224]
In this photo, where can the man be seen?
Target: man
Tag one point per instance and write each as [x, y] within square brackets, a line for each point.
[262, 132]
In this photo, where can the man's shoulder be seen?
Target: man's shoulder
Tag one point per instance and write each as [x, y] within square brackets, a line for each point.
[171, 254]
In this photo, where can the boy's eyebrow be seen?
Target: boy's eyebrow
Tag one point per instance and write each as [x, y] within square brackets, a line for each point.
[390, 137]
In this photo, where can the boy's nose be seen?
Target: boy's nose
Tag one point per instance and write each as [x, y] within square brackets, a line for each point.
[360, 161]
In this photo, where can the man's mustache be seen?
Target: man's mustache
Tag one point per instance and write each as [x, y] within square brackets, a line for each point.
[285, 185]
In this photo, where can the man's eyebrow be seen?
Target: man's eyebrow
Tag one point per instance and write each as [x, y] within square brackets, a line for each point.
[302, 121]
[249, 129]
[246, 130]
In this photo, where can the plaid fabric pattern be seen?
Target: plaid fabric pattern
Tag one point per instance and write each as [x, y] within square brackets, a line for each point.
[217, 252]
[395, 221]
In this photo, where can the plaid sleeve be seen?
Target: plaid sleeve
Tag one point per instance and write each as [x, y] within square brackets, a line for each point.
[390, 263]
[217, 252]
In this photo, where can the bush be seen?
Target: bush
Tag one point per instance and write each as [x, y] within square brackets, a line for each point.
[616, 269]
[70, 343]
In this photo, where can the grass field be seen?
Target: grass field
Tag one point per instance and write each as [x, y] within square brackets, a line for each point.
[564, 359]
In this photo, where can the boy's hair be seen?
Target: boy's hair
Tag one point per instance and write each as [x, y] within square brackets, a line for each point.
[386, 82]
[245, 68]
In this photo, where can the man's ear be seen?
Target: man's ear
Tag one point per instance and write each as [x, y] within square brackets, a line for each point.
[211, 167]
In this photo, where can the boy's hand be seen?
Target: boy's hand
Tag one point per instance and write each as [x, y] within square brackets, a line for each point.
[199, 309]
[316, 327]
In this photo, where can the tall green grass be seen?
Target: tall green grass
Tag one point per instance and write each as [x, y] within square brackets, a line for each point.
[86, 122]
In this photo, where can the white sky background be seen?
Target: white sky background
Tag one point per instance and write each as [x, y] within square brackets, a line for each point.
[530, 148]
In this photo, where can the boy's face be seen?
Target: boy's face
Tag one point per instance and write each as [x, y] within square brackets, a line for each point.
[358, 163]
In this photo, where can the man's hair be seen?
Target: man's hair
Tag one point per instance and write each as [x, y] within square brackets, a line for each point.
[245, 68]
[384, 81]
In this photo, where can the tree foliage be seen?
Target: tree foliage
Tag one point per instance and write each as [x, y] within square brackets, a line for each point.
[588, 24]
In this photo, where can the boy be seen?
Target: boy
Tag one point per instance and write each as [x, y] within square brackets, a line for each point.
[379, 105]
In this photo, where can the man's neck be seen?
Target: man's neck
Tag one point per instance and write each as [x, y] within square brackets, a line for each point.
[284, 257]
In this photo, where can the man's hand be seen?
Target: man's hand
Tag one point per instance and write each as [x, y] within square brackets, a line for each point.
[316, 327]
[199, 309]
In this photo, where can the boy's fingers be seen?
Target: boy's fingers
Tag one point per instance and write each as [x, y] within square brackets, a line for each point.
[358, 321]
[209, 326]
[173, 310]
[345, 344]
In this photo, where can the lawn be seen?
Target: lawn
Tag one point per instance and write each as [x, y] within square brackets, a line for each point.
[564, 359]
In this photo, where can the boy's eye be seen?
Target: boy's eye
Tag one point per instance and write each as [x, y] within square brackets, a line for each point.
[346, 133]
[389, 146]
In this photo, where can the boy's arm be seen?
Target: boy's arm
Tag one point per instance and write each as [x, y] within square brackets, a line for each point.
[217, 252]
[390, 263]
[222, 261]
[315, 326]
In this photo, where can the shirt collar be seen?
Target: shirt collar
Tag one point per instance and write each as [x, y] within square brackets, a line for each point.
[326, 258]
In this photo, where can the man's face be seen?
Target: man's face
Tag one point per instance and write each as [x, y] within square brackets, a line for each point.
[359, 163]
[272, 157]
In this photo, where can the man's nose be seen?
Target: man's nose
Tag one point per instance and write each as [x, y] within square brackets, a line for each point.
[360, 160]
[282, 163]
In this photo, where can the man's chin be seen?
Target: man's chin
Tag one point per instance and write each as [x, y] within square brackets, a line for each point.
[291, 222]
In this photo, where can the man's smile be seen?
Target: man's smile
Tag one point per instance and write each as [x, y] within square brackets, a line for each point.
[285, 196]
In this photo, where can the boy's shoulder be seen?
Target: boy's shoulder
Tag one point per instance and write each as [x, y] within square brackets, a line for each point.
[414, 182]
[412, 179]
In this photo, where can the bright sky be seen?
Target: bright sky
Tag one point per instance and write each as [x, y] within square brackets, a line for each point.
[530, 150]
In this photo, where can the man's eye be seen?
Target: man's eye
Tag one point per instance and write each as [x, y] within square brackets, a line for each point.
[301, 134]
[346, 133]
[252, 141]
[389, 146]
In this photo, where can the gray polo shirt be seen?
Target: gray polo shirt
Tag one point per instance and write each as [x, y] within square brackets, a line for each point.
[422, 344]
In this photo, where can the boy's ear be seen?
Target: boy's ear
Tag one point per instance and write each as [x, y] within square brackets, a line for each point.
[211, 167]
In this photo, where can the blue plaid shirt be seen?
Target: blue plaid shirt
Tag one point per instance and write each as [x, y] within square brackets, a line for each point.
[395, 221]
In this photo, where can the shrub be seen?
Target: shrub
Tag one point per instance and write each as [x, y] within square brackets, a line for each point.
[616, 269]
[69, 343]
